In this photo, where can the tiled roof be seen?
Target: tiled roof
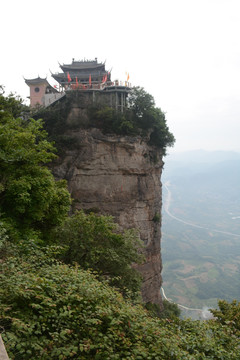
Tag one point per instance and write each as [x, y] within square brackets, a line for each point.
[36, 81]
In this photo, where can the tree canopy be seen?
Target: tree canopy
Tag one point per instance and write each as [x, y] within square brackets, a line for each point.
[30, 198]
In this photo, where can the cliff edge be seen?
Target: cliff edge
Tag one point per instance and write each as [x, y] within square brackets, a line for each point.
[119, 176]
[112, 161]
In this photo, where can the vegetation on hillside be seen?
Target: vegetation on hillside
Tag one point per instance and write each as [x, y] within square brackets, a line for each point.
[94, 242]
[141, 117]
[54, 311]
[52, 305]
[169, 311]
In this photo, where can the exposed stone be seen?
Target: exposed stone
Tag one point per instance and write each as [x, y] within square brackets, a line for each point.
[119, 176]
[3, 353]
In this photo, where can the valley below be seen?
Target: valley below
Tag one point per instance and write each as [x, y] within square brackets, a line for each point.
[201, 230]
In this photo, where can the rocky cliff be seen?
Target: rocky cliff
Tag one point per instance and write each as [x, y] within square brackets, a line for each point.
[119, 176]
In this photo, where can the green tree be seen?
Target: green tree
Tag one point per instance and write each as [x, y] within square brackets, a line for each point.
[94, 242]
[150, 118]
[141, 117]
[12, 105]
[140, 102]
[30, 199]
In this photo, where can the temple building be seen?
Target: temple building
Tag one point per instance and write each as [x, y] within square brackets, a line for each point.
[89, 77]
[83, 74]
[41, 92]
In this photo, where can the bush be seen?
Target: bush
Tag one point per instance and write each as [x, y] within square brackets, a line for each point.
[54, 311]
[94, 242]
[171, 310]
[229, 314]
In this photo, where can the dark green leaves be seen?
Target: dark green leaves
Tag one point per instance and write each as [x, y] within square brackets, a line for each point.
[56, 311]
[94, 242]
[141, 117]
[29, 195]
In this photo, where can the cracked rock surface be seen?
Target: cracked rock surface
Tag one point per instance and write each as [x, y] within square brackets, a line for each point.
[119, 176]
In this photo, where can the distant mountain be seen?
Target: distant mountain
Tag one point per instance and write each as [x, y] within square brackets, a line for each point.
[204, 172]
[196, 161]
[203, 156]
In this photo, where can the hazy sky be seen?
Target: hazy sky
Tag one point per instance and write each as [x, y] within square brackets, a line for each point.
[186, 53]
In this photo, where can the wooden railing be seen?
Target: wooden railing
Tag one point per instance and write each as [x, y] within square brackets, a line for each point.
[100, 86]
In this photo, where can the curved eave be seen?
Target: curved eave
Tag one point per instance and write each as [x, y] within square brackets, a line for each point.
[59, 76]
[85, 76]
[82, 67]
[36, 81]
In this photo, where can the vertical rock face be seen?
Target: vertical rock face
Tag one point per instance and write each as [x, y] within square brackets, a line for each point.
[119, 176]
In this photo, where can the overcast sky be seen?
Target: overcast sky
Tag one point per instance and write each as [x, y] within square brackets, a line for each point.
[186, 53]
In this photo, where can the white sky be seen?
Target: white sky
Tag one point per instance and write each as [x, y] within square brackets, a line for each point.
[186, 53]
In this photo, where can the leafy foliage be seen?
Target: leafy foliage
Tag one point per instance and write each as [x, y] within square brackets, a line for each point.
[30, 198]
[93, 242]
[55, 311]
[229, 314]
[12, 105]
[170, 310]
[140, 118]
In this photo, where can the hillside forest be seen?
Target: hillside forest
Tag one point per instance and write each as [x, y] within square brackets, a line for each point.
[68, 290]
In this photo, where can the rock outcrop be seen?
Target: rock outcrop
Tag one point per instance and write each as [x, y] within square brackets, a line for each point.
[119, 176]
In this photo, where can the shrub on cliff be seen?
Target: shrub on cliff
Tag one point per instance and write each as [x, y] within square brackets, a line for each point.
[141, 117]
[94, 242]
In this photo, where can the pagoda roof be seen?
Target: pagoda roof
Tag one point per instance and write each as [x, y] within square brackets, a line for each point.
[82, 65]
[96, 76]
[77, 74]
[37, 81]
[40, 81]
